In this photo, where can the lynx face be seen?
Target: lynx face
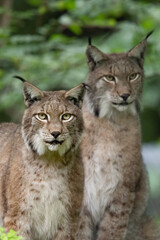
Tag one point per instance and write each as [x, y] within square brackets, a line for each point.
[115, 80]
[52, 120]
[116, 85]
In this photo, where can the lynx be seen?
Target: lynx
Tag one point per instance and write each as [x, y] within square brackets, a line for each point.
[116, 182]
[41, 175]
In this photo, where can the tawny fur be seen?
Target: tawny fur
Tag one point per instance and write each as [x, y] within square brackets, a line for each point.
[41, 184]
[116, 183]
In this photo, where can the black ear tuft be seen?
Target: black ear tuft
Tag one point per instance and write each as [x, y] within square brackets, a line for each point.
[89, 41]
[149, 34]
[20, 78]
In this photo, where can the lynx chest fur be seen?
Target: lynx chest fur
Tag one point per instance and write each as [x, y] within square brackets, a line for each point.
[48, 195]
[41, 174]
[116, 184]
[106, 168]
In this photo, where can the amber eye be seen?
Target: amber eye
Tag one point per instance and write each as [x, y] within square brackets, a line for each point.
[133, 76]
[109, 78]
[42, 116]
[66, 117]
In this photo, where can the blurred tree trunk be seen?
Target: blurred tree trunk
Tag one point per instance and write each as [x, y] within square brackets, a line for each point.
[5, 17]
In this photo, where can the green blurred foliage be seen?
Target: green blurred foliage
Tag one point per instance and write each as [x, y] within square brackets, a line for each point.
[11, 235]
[45, 43]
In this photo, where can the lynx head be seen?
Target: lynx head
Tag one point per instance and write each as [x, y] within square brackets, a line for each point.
[115, 79]
[52, 120]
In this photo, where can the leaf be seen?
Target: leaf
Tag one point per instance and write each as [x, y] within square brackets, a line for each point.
[75, 28]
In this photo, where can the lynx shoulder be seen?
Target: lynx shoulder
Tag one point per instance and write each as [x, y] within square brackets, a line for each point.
[41, 175]
[116, 183]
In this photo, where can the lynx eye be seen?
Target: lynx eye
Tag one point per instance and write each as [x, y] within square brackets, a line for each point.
[109, 78]
[42, 116]
[66, 117]
[133, 76]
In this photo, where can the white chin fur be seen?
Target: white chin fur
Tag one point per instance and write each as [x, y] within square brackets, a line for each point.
[108, 109]
[62, 149]
[128, 108]
[41, 147]
[52, 147]
[39, 144]
[120, 107]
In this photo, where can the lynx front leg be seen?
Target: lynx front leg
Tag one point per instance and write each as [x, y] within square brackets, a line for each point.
[114, 224]
[85, 229]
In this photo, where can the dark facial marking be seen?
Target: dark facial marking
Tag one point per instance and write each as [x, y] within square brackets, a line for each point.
[96, 111]
[31, 146]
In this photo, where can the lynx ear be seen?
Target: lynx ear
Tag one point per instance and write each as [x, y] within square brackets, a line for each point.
[139, 50]
[94, 55]
[30, 92]
[76, 94]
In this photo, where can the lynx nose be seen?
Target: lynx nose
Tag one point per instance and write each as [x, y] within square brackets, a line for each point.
[55, 134]
[125, 96]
